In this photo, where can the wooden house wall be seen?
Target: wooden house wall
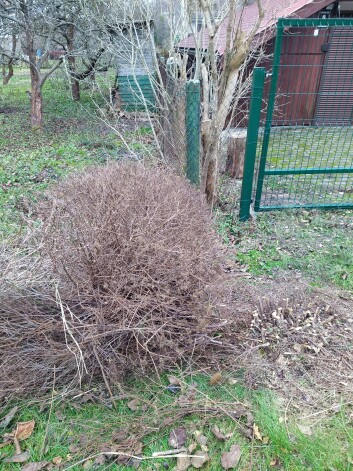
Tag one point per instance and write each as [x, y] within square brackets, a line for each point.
[314, 83]
[301, 68]
[335, 101]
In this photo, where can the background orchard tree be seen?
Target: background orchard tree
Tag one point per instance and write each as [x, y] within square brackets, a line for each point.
[37, 24]
[8, 48]
[84, 37]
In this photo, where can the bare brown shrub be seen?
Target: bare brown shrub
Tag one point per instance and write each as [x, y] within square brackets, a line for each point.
[140, 279]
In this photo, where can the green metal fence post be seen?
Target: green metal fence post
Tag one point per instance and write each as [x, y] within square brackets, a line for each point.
[251, 141]
[193, 98]
[270, 109]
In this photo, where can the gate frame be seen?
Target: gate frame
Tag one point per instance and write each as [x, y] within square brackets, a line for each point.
[254, 125]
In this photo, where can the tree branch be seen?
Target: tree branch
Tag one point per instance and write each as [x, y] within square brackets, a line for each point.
[14, 20]
[50, 71]
[91, 67]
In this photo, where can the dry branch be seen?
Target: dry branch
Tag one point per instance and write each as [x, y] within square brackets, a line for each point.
[138, 264]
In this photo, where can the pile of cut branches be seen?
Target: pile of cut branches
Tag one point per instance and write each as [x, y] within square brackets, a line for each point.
[136, 281]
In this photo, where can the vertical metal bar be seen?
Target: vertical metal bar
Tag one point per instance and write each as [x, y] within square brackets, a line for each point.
[257, 91]
[192, 117]
[270, 109]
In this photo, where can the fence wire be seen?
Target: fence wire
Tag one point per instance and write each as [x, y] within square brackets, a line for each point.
[304, 152]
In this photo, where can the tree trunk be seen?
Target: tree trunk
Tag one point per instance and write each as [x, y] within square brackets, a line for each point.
[36, 97]
[75, 89]
[75, 84]
[236, 154]
[210, 151]
[7, 76]
[37, 108]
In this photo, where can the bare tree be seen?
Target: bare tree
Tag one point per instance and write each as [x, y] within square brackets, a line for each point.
[221, 83]
[83, 39]
[9, 39]
[37, 25]
[224, 77]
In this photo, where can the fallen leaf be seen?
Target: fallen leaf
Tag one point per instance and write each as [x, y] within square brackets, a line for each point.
[177, 437]
[134, 405]
[20, 458]
[216, 379]
[246, 431]
[265, 440]
[201, 439]
[230, 459]
[120, 435]
[100, 460]
[24, 430]
[257, 433]
[57, 460]
[217, 432]
[35, 466]
[8, 417]
[174, 381]
[134, 462]
[137, 448]
[192, 447]
[73, 448]
[232, 381]
[199, 459]
[183, 463]
[305, 429]
[87, 464]
[274, 462]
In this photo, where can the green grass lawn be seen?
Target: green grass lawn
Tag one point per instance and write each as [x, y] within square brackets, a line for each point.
[316, 245]
[73, 430]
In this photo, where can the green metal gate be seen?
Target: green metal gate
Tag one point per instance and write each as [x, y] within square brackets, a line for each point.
[299, 150]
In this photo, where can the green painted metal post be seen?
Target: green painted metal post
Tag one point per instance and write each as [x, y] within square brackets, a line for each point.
[193, 99]
[270, 109]
[251, 141]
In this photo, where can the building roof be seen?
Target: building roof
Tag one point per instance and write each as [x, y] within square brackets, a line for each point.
[273, 9]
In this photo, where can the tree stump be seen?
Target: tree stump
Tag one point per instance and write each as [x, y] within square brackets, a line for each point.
[236, 154]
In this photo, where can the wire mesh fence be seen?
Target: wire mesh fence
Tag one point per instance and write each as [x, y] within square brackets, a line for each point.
[180, 126]
[304, 144]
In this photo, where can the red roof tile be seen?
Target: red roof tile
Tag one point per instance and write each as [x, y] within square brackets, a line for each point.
[274, 9]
